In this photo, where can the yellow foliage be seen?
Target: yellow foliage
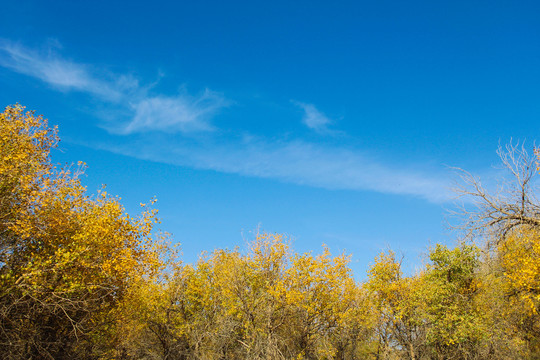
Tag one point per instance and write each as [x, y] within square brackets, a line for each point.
[520, 259]
[62, 253]
[81, 278]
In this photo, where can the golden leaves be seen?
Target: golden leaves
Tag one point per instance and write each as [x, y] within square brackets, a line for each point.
[61, 248]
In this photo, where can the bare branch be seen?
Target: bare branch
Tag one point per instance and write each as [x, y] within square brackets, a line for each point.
[513, 204]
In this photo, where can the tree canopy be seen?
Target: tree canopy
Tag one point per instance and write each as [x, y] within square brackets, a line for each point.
[82, 279]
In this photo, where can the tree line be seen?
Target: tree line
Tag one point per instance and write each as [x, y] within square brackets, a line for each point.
[82, 279]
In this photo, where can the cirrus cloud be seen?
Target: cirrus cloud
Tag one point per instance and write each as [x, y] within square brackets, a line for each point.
[149, 112]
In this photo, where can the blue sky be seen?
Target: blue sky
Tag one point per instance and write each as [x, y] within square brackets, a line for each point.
[333, 123]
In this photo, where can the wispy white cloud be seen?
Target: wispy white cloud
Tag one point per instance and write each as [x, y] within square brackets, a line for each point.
[181, 113]
[293, 161]
[298, 162]
[314, 119]
[58, 72]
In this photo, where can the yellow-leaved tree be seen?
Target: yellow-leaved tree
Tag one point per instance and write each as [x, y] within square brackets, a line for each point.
[68, 261]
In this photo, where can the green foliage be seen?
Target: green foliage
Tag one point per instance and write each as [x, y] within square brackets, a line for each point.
[456, 326]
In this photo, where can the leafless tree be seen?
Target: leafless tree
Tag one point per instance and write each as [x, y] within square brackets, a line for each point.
[511, 205]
